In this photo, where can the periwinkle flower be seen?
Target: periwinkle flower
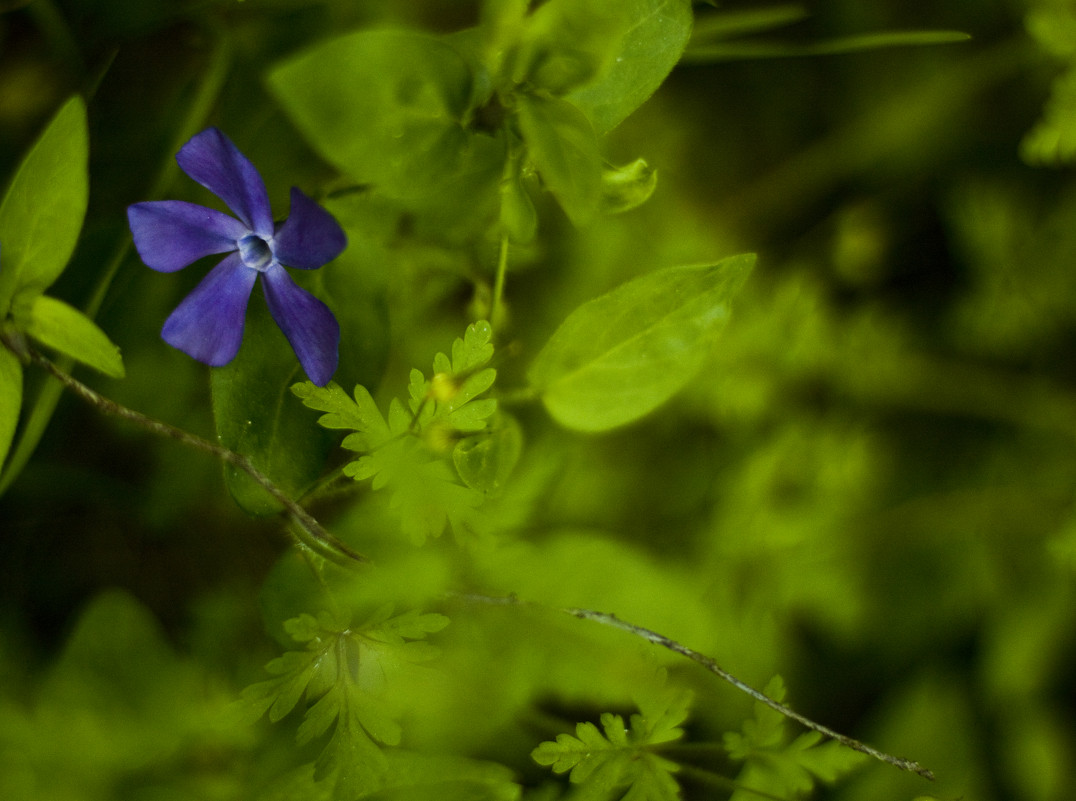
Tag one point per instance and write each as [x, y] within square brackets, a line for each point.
[208, 323]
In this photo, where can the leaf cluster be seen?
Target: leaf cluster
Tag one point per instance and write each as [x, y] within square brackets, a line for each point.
[492, 112]
[441, 452]
[40, 220]
[346, 674]
[618, 761]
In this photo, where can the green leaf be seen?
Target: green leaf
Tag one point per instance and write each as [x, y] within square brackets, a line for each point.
[56, 325]
[657, 33]
[256, 416]
[384, 106]
[618, 757]
[561, 143]
[10, 398]
[621, 355]
[486, 460]
[1053, 139]
[567, 43]
[625, 188]
[41, 214]
[778, 767]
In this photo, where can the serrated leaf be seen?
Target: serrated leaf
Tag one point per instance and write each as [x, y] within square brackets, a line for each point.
[10, 398]
[657, 32]
[564, 149]
[65, 329]
[41, 213]
[620, 356]
[256, 415]
[342, 412]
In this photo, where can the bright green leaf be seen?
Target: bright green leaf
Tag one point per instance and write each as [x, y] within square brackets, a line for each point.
[41, 214]
[10, 398]
[561, 143]
[657, 33]
[623, 354]
[256, 416]
[56, 325]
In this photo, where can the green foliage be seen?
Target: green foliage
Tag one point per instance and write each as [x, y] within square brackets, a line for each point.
[56, 325]
[40, 219]
[622, 355]
[119, 706]
[41, 214]
[347, 675]
[256, 416]
[1052, 141]
[778, 767]
[619, 761]
[440, 453]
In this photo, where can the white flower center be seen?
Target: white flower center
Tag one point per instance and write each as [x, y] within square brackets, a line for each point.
[255, 252]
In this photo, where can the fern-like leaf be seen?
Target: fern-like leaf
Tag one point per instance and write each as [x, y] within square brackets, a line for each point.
[345, 674]
[412, 452]
[778, 767]
[617, 761]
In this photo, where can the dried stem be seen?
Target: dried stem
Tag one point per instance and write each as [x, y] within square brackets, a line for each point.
[307, 530]
[711, 665]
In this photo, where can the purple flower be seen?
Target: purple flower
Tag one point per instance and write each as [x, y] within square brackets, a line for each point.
[208, 323]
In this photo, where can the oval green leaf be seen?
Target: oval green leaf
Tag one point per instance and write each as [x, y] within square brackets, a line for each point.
[486, 460]
[620, 356]
[56, 325]
[41, 214]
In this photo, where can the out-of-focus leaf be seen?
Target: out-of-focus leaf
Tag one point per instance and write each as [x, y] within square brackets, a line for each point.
[41, 214]
[10, 398]
[732, 51]
[564, 149]
[1053, 139]
[657, 32]
[727, 24]
[485, 461]
[624, 188]
[384, 106]
[621, 355]
[257, 416]
[55, 324]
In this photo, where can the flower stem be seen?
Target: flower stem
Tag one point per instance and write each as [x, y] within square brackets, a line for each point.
[308, 531]
[606, 619]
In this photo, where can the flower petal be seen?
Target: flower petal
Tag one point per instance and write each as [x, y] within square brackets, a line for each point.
[208, 324]
[170, 234]
[308, 324]
[212, 160]
[310, 237]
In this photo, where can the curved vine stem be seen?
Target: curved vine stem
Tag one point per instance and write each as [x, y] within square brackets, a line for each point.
[607, 619]
[307, 530]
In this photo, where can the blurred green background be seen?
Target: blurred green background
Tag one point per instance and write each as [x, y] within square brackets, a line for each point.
[868, 489]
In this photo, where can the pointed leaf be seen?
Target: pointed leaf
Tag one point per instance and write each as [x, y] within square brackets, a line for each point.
[564, 149]
[41, 214]
[56, 325]
[658, 32]
[623, 354]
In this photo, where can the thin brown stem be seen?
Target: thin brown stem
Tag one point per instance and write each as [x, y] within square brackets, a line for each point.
[307, 530]
[606, 619]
